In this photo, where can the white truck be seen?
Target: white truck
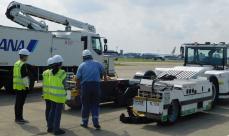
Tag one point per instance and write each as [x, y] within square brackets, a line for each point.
[184, 90]
[43, 43]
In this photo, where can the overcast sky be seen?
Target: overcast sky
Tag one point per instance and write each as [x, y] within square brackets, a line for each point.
[143, 25]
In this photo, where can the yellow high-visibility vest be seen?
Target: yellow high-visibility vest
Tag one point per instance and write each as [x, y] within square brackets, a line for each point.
[46, 83]
[18, 83]
[57, 92]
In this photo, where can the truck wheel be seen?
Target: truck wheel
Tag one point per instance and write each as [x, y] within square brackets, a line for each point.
[120, 101]
[74, 103]
[214, 95]
[173, 112]
[1, 83]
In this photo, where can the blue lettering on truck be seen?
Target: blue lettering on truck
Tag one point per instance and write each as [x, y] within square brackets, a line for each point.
[16, 45]
[32, 45]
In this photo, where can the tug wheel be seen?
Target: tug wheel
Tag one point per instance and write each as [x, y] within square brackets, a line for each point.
[215, 89]
[149, 75]
[214, 95]
[173, 112]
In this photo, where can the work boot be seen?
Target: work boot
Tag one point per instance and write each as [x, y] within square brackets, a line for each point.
[83, 125]
[21, 121]
[97, 127]
[59, 132]
[49, 130]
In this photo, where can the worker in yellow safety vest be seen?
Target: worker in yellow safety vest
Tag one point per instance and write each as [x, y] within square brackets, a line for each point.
[57, 95]
[21, 84]
[46, 82]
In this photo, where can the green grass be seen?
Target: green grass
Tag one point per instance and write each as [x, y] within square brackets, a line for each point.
[132, 60]
[145, 60]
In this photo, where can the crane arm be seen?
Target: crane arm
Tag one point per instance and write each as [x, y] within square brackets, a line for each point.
[21, 14]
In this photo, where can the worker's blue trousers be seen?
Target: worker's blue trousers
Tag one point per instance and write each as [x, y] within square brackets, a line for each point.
[55, 116]
[90, 98]
[47, 109]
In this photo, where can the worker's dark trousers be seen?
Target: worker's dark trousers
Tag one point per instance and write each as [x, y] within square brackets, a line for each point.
[47, 109]
[19, 103]
[90, 98]
[55, 116]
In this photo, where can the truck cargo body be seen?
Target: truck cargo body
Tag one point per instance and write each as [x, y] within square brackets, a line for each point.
[43, 45]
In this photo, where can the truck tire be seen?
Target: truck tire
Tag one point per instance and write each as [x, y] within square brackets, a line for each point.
[1, 85]
[74, 104]
[120, 101]
[173, 112]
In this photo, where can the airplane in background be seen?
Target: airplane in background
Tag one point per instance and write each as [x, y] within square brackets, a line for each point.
[172, 55]
[111, 53]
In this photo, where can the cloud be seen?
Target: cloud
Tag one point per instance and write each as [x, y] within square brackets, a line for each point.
[85, 6]
[143, 25]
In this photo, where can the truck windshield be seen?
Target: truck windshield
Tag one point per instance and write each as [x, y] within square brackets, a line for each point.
[96, 45]
[205, 56]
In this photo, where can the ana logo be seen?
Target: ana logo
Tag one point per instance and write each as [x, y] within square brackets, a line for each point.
[16, 45]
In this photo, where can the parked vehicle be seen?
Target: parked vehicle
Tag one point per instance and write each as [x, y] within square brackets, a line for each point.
[185, 90]
[43, 44]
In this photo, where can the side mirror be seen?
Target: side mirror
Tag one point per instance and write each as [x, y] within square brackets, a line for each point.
[105, 41]
[105, 44]
[182, 52]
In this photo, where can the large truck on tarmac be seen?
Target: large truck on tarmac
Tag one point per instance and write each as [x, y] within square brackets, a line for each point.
[43, 44]
[183, 90]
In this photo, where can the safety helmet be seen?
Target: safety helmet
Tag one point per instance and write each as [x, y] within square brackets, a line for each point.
[24, 52]
[86, 53]
[50, 61]
[57, 59]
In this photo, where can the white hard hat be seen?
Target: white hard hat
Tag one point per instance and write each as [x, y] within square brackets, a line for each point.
[86, 53]
[57, 59]
[50, 61]
[24, 52]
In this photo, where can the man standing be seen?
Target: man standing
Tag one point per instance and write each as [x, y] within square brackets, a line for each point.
[57, 97]
[21, 84]
[89, 74]
[46, 82]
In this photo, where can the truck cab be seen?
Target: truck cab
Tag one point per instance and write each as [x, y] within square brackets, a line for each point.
[214, 56]
[204, 60]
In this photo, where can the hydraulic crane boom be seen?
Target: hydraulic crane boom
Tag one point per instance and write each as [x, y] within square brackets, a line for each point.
[21, 14]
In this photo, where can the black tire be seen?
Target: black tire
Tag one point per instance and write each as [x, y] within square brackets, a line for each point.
[120, 101]
[1, 84]
[74, 104]
[173, 112]
[214, 95]
[215, 84]
[149, 75]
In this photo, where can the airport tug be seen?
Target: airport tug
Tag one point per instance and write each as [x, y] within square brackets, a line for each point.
[183, 90]
[165, 100]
